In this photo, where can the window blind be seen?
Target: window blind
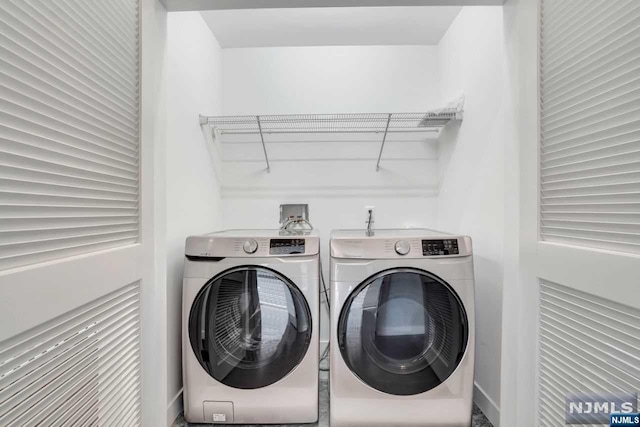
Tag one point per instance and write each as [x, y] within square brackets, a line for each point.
[590, 123]
[69, 140]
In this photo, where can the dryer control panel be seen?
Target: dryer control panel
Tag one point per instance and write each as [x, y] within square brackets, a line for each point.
[252, 243]
[286, 246]
[440, 247]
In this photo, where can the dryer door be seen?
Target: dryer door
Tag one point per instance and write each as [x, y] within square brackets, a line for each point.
[249, 327]
[403, 331]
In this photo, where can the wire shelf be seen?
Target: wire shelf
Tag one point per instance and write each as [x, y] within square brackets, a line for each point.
[332, 123]
[382, 123]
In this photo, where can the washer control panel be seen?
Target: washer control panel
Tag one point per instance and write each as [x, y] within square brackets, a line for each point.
[440, 247]
[286, 246]
[395, 244]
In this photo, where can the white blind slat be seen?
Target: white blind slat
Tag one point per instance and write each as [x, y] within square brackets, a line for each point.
[81, 399]
[75, 367]
[557, 12]
[69, 130]
[590, 124]
[616, 100]
[27, 164]
[23, 46]
[33, 70]
[54, 223]
[619, 61]
[619, 143]
[72, 45]
[601, 39]
[575, 39]
[586, 344]
[586, 70]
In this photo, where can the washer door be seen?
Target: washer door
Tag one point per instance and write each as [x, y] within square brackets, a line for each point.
[403, 331]
[249, 327]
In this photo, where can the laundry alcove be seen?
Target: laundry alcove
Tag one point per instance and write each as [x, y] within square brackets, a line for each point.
[301, 77]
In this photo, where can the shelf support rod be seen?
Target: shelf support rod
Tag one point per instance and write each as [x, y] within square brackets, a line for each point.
[264, 147]
[384, 138]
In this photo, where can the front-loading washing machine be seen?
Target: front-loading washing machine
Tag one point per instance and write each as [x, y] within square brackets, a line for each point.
[250, 327]
[402, 329]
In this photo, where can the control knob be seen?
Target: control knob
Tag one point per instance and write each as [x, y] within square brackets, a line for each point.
[402, 247]
[250, 246]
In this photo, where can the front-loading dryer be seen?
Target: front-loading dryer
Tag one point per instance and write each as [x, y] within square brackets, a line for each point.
[402, 329]
[250, 327]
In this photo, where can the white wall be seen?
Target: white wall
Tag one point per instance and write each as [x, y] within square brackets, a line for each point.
[194, 76]
[335, 174]
[153, 201]
[329, 79]
[472, 169]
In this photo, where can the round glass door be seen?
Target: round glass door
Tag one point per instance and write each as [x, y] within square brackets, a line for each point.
[249, 327]
[403, 331]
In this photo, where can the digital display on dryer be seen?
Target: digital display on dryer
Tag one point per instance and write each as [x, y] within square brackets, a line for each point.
[286, 246]
[440, 247]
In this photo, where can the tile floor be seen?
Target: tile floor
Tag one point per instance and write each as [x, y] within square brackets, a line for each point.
[479, 420]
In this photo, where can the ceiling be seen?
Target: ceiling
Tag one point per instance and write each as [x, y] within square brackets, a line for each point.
[330, 26]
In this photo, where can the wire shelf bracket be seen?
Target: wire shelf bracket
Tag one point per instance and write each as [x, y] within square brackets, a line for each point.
[264, 147]
[376, 123]
[384, 138]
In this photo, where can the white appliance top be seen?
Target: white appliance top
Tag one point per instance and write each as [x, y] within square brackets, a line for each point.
[400, 243]
[253, 243]
[399, 233]
[275, 233]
